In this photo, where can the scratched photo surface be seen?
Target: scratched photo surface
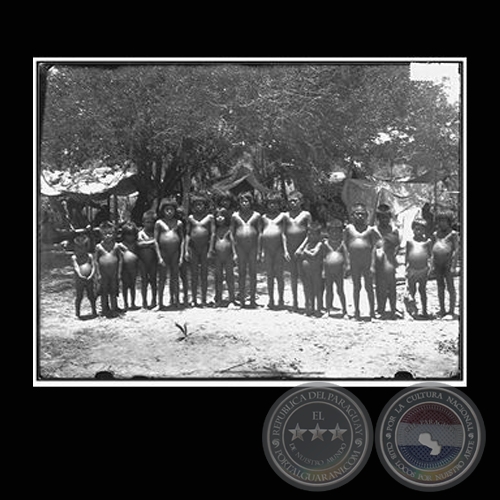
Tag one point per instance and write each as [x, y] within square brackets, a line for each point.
[250, 221]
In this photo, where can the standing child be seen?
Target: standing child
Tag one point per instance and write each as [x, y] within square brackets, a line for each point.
[108, 264]
[245, 228]
[226, 200]
[444, 259]
[386, 251]
[223, 250]
[169, 235]
[148, 258]
[418, 256]
[274, 247]
[334, 259]
[130, 263]
[84, 267]
[359, 240]
[310, 257]
[199, 239]
[296, 226]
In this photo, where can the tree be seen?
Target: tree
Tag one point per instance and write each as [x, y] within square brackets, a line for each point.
[160, 117]
[181, 122]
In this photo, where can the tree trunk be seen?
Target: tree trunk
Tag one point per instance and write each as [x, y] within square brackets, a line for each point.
[145, 187]
[173, 173]
[157, 175]
[435, 180]
[142, 204]
[172, 176]
[186, 187]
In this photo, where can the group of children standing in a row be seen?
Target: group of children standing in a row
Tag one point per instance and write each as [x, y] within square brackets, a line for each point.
[321, 256]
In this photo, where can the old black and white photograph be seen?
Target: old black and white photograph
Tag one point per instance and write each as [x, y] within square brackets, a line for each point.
[259, 221]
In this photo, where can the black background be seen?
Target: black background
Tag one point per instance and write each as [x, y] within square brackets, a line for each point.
[197, 441]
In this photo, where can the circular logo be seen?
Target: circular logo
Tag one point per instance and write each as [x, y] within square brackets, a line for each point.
[317, 436]
[430, 437]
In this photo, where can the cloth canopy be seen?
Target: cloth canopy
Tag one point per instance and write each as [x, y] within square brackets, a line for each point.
[241, 179]
[96, 182]
[405, 199]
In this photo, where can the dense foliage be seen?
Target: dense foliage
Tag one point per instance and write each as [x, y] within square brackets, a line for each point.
[297, 121]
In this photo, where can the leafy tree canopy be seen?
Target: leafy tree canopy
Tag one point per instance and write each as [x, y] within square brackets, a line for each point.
[300, 121]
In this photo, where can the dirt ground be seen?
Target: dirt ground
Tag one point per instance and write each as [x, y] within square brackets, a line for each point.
[224, 343]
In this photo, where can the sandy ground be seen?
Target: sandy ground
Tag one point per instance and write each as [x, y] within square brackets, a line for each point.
[226, 343]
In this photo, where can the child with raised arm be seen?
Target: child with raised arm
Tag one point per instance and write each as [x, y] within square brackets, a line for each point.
[108, 257]
[386, 250]
[274, 247]
[84, 267]
[359, 240]
[334, 259]
[245, 228]
[199, 239]
[223, 251]
[310, 258]
[130, 263]
[169, 235]
[418, 256]
[148, 258]
[444, 260]
[297, 223]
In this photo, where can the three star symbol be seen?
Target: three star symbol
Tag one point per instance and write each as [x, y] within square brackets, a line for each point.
[317, 433]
